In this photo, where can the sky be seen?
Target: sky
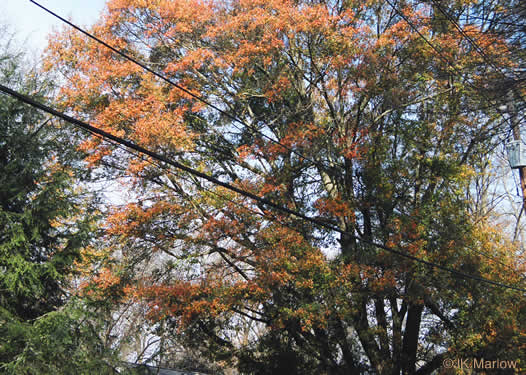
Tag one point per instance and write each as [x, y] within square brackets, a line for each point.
[33, 24]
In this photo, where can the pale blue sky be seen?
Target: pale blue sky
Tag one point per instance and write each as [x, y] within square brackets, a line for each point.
[33, 24]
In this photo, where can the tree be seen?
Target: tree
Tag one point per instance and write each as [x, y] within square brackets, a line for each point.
[347, 114]
[45, 223]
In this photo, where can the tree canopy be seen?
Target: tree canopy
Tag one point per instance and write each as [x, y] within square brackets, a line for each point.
[373, 117]
[46, 220]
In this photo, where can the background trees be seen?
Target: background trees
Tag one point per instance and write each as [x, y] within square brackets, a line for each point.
[370, 117]
[46, 220]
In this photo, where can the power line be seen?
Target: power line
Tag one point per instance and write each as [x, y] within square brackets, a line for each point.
[480, 51]
[164, 78]
[475, 45]
[264, 215]
[485, 57]
[152, 154]
[264, 201]
[468, 18]
[495, 20]
[234, 117]
[157, 74]
[273, 218]
[435, 48]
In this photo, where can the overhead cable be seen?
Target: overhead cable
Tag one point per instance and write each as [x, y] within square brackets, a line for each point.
[231, 116]
[256, 198]
[206, 102]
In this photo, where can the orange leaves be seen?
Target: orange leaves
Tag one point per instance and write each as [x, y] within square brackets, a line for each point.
[162, 127]
[289, 262]
[130, 220]
[245, 152]
[309, 317]
[169, 300]
[336, 85]
[248, 291]
[185, 15]
[188, 301]
[299, 136]
[105, 285]
[335, 207]
[276, 91]
[220, 227]
[193, 60]
[272, 188]
[106, 279]
[115, 93]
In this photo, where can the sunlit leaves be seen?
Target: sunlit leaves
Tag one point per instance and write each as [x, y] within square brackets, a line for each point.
[344, 113]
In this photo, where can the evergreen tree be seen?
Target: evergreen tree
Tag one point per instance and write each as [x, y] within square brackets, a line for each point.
[45, 221]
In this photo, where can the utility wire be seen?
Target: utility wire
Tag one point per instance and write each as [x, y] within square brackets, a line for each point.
[494, 21]
[154, 155]
[468, 18]
[264, 201]
[475, 45]
[485, 57]
[234, 117]
[263, 214]
[206, 102]
[438, 51]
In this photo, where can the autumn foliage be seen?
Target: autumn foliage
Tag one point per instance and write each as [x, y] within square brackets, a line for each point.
[346, 114]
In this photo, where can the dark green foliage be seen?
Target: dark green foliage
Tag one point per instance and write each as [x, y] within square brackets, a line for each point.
[60, 342]
[36, 193]
[45, 220]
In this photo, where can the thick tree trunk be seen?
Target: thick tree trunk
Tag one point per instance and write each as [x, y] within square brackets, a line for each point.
[410, 342]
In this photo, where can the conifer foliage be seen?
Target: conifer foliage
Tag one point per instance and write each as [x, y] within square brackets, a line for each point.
[45, 222]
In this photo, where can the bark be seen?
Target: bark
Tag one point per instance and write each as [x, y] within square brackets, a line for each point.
[410, 342]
